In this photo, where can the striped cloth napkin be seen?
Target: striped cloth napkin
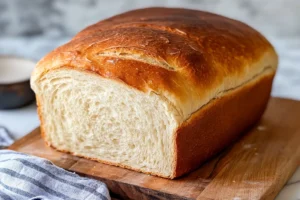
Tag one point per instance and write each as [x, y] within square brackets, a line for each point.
[29, 177]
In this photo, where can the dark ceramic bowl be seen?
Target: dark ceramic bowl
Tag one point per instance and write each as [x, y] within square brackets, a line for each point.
[15, 90]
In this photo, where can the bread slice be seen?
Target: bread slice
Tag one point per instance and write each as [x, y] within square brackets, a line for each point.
[158, 94]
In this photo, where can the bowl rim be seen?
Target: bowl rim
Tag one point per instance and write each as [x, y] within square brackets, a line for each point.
[20, 58]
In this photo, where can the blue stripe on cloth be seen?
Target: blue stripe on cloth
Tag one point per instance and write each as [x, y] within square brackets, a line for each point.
[34, 182]
[64, 181]
[5, 196]
[16, 190]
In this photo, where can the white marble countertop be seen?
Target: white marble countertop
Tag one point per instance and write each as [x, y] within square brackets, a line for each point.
[287, 85]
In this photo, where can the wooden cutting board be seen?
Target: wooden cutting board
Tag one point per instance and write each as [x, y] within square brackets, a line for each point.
[255, 167]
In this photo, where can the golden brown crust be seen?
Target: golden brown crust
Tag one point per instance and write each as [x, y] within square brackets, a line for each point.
[187, 56]
[220, 123]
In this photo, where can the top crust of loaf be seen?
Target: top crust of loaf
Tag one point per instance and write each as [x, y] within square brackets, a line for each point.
[188, 57]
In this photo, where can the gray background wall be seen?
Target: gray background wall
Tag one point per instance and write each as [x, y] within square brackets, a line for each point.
[31, 28]
[66, 17]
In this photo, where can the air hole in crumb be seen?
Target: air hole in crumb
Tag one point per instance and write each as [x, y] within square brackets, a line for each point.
[115, 141]
[86, 106]
[131, 146]
[93, 117]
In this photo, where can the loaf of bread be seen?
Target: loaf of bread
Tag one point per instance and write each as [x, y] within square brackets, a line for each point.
[156, 90]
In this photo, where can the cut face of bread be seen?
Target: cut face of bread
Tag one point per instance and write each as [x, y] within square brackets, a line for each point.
[106, 120]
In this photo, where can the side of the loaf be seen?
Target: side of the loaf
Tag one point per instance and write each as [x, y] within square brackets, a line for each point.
[221, 122]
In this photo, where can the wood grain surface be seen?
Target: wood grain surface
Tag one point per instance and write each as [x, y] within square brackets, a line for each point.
[255, 167]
